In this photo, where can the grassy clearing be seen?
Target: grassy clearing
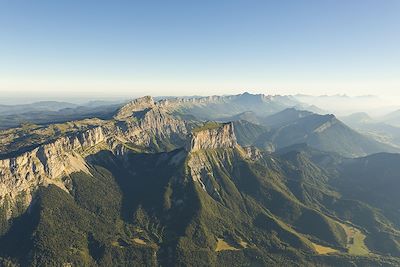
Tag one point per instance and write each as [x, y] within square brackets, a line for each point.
[139, 241]
[355, 240]
[207, 126]
[223, 245]
[323, 250]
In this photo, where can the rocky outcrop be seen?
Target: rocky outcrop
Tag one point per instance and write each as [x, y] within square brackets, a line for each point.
[152, 128]
[136, 105]
[252, 153]
[209, 138]
[146, 123]
[48, 160]
[222, 136]
[203, 170]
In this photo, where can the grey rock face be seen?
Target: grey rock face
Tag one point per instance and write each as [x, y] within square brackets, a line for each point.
[221, 137]
[138, 104]
[46, 164]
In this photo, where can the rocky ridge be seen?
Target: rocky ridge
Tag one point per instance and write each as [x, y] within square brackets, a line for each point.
[140, 123]
[46, 164]
[139, 104]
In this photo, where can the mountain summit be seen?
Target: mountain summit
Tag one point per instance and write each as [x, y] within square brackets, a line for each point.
[139, 104]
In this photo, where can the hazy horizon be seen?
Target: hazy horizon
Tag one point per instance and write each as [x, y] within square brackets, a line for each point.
[25, 97]
[338, 104]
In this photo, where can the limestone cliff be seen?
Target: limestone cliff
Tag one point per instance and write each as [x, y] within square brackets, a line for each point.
[46, 164]
[140, 123]
[222, 136]
[151, 128]
[206, 140]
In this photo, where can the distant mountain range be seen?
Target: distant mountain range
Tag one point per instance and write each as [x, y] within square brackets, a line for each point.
[384, 129]
[244, 180]
[343, 105]
[324, 132]
[210, 108]
[46, 112]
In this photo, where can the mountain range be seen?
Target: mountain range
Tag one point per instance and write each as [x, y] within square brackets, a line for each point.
[244, 180]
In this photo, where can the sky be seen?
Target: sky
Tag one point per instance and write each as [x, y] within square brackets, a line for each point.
[96, 48]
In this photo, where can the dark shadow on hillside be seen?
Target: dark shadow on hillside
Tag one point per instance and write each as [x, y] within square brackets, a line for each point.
[154, 192]
[17, 241]
[142, 179]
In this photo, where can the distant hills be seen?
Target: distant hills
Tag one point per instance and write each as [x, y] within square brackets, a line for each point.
[46, 112]
[324, 132]
[392, 118]
[383, 129]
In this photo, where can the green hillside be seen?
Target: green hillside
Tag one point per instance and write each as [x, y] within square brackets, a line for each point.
[145, 209]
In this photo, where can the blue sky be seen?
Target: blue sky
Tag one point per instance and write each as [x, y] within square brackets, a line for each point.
[130, 48]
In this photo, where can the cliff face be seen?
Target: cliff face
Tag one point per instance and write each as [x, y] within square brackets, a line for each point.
[140, 123]
[151, 128]
[46, 164]
[218, 137]
[201, 168]
[48, 160]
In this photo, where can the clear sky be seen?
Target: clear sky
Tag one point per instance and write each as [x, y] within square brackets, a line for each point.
[168, 47]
